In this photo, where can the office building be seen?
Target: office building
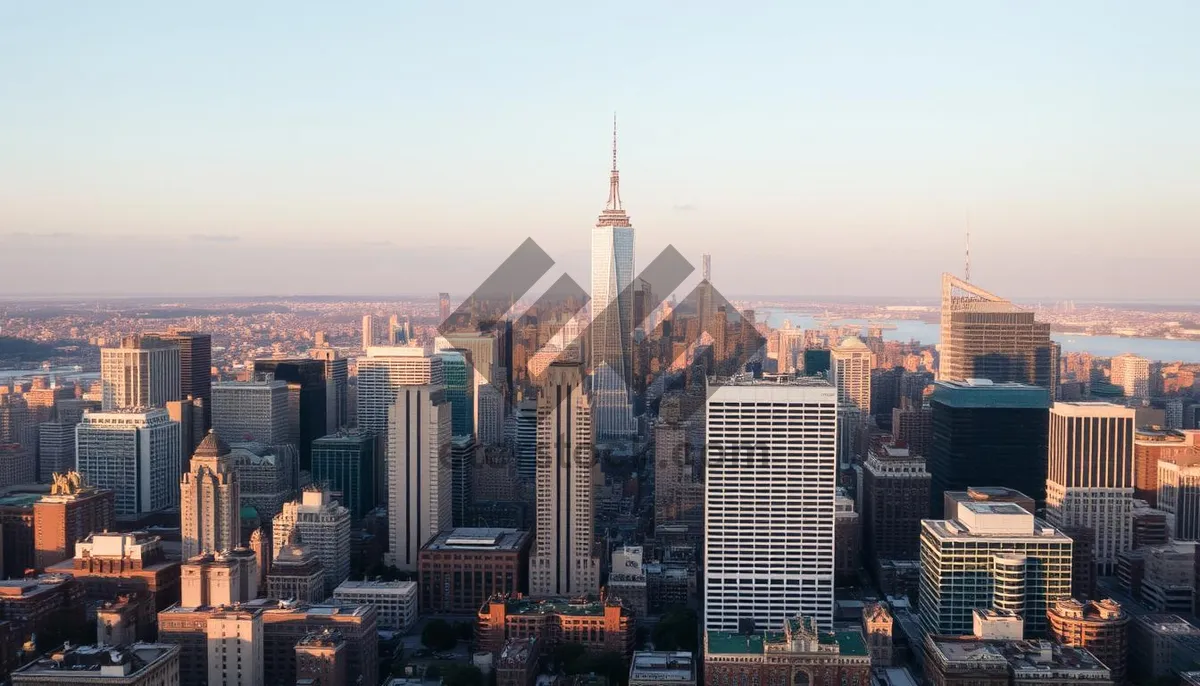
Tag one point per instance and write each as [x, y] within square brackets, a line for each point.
[133, 453]
[345, 464]
[1168, 577]
[266, 476]
[458, 380]
[110, 564]
[1090, 480]
[627, 579]
[462, 461]
[70, 513]
[195, 369]
[524, 441]
[1179, 495]
[895, 499]
[1099, 626]
[296, 574]
[368, 331]
[847, 539]
[798, 652]
[17, 465]
[337, 387]
[1132, 374]
[309, 376]
[419, 471]
[968, 660]
[1152, 445]
[1083, 561]
[244, 411]
[381, 374]
[142, 373]
[984, 336]
[1161, 644]
[600, 626]
[321, 659]
[562, 561]
[669, 668]
[990, 556]
[235, 647]
[912, 427]
[139, 664]
[490, 424]
[770, 482]
[678, 490]
[462, 568]
[317, 521]
[209, 501]
[988, 434]
[394, 601]
[56, 449]
[850, 372]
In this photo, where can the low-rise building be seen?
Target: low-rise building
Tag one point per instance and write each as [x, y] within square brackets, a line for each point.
[971, 661]
[600, 626]
[321, 659]
[517, 663]
[460, 569]
[1161, 644]
[296, 574]
[41, 604]
[140, 664]
[395, 601]
[1100, 626]
[651, 668]
[111, 564]
[800, 654]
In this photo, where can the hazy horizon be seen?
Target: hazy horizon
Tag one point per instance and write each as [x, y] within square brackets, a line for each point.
[811, 149]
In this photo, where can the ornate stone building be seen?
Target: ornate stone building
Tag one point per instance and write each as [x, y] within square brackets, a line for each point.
[798, 655]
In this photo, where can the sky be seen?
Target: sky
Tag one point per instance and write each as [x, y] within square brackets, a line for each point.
[407, 147]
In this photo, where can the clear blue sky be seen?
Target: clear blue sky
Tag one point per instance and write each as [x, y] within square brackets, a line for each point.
[811, 147]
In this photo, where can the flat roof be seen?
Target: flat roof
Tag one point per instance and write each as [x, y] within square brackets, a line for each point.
[479, 538]
[849, 643]
[980, 395]
[662, 666]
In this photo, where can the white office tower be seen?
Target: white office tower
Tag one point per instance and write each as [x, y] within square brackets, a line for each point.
[382, 372]
[770, 483]
[419, 474]
[1089, 480]
[490, 422]
[850, 371]
[991, 555]
[134, 453]
[368, 331]
[1132, 374]
[235, 647]
[524, 440]
[139, 374]
[210, 501]
[251, 411]
[322, 525]
[612, 314]
[562, 561]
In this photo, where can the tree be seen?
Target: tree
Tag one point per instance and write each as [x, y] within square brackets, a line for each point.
[677, 630]
[464, 630]
[566, 655]
[462, 675]
[438, 635]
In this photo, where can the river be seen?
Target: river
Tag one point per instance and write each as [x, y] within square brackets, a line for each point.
[1156, 349]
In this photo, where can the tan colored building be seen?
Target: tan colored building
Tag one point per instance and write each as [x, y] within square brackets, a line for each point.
[209, 501]
[235, 647]
[1100, 626]
[1151, 445]
[321, 524]
[460, 569]
[877, 627]
[110, 564]
[598, 625]
[141, 664]
[321, 659]
[296, 574]
[799, 654]
[69, 514]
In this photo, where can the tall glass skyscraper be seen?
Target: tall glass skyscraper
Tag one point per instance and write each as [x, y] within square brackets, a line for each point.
[612, 314]
[458, 378]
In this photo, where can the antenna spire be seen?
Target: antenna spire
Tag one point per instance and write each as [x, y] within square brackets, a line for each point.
[614, 168]
[614, 182]
[967, 270]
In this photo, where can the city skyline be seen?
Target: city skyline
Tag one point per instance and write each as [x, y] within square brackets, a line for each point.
[875, 143]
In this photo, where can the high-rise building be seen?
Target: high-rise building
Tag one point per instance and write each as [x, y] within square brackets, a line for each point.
[462, 461]
[310, 375]
[460, 569]
[266, 475]
[235, 647]
[678, 490]
[985, 336]
[135, 454]
[142, 373]
[612, 314]
[368, 331]
[444, 306]
[1100, 626]
[460, 390]
[337, 388]
[419, 472]
[297, 574]
[1151, 446]
[990, 556]
[770, 482]
[195, 368]
[988, 434]
[70, 513]
[345, 464]
[525, 424]
[56, 449]
[210, 501]
[481, 351]
[380, 375]
[895, 499]
[912, 427]
[1132, 374]
[1090, 479]
[562, 561]
[17, 465]
[490, 427]
[1179, 495]
[317, 521]
[251, 411]
[850, 372]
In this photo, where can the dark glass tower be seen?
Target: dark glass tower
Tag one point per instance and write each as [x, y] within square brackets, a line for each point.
[310, 376]
[345, 463]
[195, 367]
[988, 434]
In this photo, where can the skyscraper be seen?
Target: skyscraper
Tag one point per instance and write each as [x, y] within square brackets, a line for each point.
[985, 336]
[322, 525]
[490, 422]
[368, 331]
[460, 390]
[210, 501]
[135, 454]
[850, 371]
[336, 387]
[71, 512]
[1090, 479]
[418, 471]
[444, 306]
[988, 434]
[310, 375]
[770, 483]
[141, 373]
[195, 367]
[1132, 374]
[525, 424]
[380, 375]
[346, 464]
[895, 499]
[562, 562]
[612, 314]
[251, 411]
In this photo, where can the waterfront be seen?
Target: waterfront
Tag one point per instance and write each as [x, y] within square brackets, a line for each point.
[1156, 349]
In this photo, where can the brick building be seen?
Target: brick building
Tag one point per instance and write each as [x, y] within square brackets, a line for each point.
[110, 564]
[1101, 627]
[598, 625]
[460, 569]
[71, 512]
[799, 654]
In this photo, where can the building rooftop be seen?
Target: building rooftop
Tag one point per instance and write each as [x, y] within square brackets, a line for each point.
[469, 538]
[749, 380]
[579, 607]
[1167, 624]
[404, 587]
[985, 394]
[848, 642]
[104, 661]
[518, 650]
[666, 667]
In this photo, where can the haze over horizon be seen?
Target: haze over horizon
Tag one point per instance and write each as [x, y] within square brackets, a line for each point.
[301, 149]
